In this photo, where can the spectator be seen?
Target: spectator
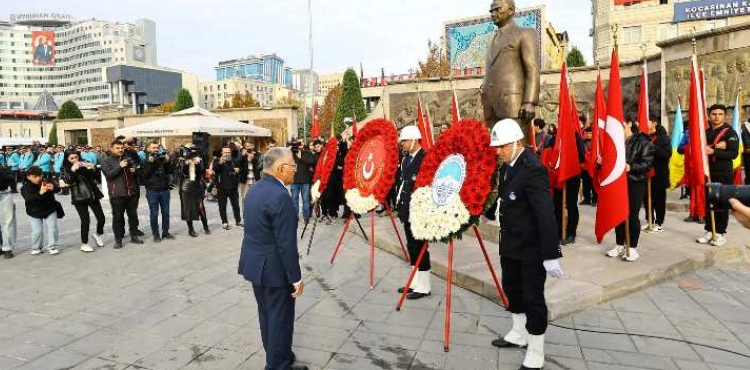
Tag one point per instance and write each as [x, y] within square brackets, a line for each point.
[7, 215]
[58, 160]
[84, 194]
[304, 160]
[251, 168]
[587, 183]
[26, 161]
[44, 162]
[42, 208]
[120, 171]
[227, 180]
[660, 180]
[157, 175]
[746, 150]
[190, 172]
[14, 161]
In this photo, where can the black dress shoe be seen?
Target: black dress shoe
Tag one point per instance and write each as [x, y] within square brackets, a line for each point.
[570, 239]
[417, 295]
[167, 236]
[529, 368]
[206, 231]
[298, 367]
[293, 358]
[401, 290]
[118, 244]
[139, 233]
[239, 224]
[135, 240]
[8, 254]
[157, 238]
[193, 233]
[502, 343]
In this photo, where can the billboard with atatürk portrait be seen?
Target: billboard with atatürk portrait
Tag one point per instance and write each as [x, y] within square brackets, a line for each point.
[43, 48]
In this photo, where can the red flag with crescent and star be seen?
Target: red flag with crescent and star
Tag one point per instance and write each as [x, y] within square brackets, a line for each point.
[600, 117]
[612, 208]
[315, 131]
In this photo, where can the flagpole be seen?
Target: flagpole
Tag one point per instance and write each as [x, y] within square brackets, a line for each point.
[614, 28]
[649, 199]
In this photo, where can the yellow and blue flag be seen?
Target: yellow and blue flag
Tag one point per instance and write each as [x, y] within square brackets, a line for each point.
[677, 161]
[737, 163]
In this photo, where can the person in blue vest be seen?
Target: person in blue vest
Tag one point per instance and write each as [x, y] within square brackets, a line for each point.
[26, 161]
[90, 156]
[59, 158]
[13, 161]
[270, 258]
[3, 159]
[44, 162]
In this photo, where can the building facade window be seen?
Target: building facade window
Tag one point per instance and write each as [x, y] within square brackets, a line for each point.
[631, 34]
[667, 31]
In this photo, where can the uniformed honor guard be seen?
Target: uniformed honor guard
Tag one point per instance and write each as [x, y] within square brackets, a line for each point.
[412, 161]
[529, 247]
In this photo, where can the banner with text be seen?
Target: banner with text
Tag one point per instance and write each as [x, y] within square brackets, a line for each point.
[710, 9]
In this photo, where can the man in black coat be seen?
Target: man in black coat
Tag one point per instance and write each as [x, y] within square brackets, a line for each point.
[120, 171]
[227, 180]
[156, 175]
[412, 161]
[660, 179]
[529, 246]
[746, 150]
[570, 198]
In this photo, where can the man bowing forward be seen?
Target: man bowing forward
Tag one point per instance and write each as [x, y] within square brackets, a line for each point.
[270, 259]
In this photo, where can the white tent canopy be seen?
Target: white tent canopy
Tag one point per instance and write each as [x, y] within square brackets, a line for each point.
[195, 119]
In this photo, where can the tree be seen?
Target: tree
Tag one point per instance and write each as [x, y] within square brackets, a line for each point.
[575, 58]
[237, 100]
[328, 110]
[350, 104]
[69, 110]
[167, 107]
[436, 64]
[248, 101]
[183, 101]
[52, 139]
[225, 105]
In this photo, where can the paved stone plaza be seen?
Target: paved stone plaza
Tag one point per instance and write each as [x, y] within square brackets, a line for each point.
[181, 305]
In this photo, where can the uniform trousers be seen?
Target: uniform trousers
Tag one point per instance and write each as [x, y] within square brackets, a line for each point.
[636, 192]
[414, 246]
[571, 204]
[523, 283]
[658, 204]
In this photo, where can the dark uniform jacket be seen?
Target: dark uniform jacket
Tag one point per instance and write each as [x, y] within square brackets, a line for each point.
[409, 171]
[639, 155]
[662, 154]
[528, 227]
[720, 163]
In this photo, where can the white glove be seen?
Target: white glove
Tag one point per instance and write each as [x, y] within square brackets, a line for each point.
[553, 268]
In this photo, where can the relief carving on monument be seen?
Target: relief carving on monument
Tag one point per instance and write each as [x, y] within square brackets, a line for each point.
[403, 107]
[277, 127]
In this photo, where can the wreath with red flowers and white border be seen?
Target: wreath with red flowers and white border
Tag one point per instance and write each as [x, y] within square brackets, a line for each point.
[370, 166]
[454, 182]
[323, 169]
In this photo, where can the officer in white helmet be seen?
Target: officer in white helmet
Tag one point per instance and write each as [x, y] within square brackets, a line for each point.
[529, 246]
[410, 138]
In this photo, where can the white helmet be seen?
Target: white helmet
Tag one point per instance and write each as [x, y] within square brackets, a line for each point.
[410, 133]
[504, 132]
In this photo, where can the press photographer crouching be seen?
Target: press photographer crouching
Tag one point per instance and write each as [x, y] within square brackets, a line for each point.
[192, 184]
[724, 197]
[156, 176]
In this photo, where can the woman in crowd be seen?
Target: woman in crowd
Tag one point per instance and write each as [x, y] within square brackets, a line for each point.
[639, 156]
[81, 178]
[41, 207]
[191, 172]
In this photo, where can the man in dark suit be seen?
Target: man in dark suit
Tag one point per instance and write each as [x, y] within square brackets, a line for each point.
[529, 247]
[270, 258]
[511, 82]
[410, 164]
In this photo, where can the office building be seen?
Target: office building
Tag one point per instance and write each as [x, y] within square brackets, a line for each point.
[269, 68]
[214, 94]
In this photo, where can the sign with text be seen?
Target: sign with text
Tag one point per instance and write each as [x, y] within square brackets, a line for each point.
[710, 9]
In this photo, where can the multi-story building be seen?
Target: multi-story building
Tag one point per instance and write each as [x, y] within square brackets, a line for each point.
[214, 94]
[641, 24]
[301, 81]
[268, 68]
[67, 57]
[328, 82]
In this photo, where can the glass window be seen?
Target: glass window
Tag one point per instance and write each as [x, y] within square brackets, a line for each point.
[667, 31]
[631, 35]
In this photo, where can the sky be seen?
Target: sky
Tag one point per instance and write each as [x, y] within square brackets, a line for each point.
[194, 35]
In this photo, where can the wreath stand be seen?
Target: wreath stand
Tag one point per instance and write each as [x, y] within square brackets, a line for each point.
[371, 240]
[449, 283]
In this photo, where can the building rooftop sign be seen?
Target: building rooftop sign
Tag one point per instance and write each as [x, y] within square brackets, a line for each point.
[710, 9]
[41, 18]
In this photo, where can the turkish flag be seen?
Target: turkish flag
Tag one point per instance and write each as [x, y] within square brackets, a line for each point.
[643, 101]
[600, 117]
[613, 208]
[456, 114]
[697, 142]
[422, 126]
[315, 131]
[566, 148]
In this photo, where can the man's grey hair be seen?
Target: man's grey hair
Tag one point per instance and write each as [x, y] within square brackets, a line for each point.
[274, 155]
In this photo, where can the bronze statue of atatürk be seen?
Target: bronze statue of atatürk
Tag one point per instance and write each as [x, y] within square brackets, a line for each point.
[511, 82]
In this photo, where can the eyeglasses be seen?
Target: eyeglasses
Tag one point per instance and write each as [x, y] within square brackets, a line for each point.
[293, 166]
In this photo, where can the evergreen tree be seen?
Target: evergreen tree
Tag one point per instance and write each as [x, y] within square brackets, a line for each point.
[69, 110]
[248, 101]
[350, 102]
[575, 58]
[328, 110]
[237, 100]
[52, 139]
[183, 101]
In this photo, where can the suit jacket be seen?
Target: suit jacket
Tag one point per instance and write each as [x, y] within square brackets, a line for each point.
[512, 73]
[269, 256]
[527, 217]
[409, 171]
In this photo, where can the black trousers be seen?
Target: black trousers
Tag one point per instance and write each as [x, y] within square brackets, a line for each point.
[276, 317]
[523, 283]
[571, 203]
[16, 176]
[636, 192]
[83, 213]
[658, 204]
[721, 216]
[120, 206]
[329, 204]
[234, 198]
[746, 164]
[414, 246]
[587, 184]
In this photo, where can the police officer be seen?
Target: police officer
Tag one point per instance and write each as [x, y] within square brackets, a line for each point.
[410, 164]
[529, 245]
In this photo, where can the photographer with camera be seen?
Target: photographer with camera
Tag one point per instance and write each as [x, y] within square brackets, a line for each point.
[249, 170]
[227, 180]
[190, 178]
[120, 172]
[304, 160]
[156, 175]
[80, 177]
[722, 149]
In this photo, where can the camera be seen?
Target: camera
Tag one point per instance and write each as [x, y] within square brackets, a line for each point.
[189, 152]
[719, 194]
[129, 162]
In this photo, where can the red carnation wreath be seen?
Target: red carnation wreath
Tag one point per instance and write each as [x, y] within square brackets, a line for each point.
[370, 166]
[436, 214]
[324, 167]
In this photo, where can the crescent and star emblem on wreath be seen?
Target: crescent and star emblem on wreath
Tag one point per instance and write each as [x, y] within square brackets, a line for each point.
[367, 173]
